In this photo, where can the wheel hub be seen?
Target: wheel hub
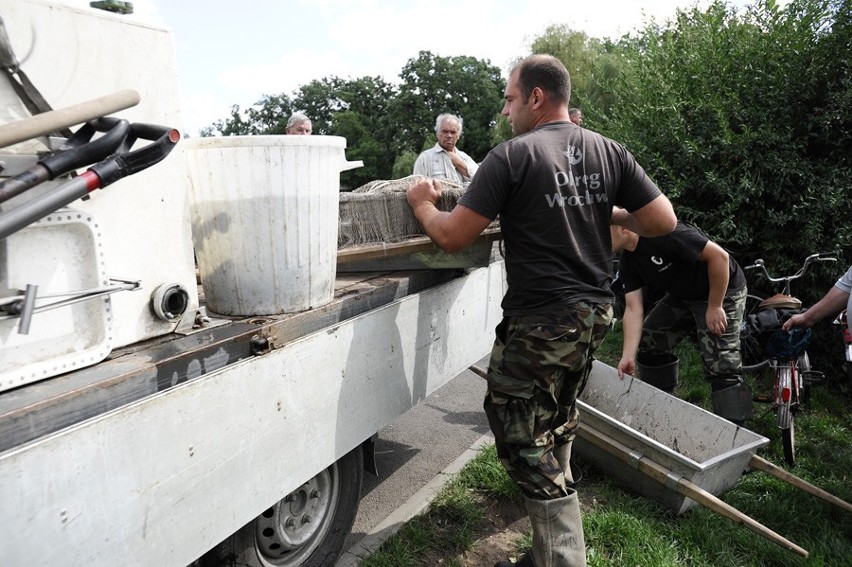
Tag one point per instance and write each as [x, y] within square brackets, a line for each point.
[297, 519]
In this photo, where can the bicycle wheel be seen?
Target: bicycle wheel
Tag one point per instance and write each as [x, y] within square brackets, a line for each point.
[751, 351]
[786, 405]
[788, 437]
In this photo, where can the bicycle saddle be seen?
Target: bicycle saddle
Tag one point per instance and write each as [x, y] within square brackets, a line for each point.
[780, 301]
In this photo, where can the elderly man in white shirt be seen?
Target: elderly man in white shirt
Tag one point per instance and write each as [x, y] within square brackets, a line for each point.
[445, 160]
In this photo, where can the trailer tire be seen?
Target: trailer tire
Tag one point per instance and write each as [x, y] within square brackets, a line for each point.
[322, 511]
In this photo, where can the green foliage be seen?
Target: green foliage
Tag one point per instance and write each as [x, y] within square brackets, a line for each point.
[743, 120]
[380, 122]
[404, 165]
[591, 67]
[267, 116]
[367, 148]
[432, 85]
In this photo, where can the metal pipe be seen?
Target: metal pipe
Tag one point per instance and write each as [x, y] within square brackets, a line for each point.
[27, 309]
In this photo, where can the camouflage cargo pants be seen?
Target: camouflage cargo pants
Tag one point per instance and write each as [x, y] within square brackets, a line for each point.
[672, 319]
[538, 367]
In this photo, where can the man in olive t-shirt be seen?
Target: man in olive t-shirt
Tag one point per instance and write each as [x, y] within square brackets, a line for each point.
[553, 186]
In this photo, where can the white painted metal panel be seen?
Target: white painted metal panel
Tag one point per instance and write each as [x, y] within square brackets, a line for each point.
[74, 55]
[68, 247]
[161, 481]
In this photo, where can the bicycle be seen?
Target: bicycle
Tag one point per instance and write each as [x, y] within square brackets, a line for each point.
[785, 352]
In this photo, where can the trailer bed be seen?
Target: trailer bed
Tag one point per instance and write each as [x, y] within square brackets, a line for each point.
[145, 368]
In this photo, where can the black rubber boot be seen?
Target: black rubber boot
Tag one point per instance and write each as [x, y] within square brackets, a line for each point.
[731, 398]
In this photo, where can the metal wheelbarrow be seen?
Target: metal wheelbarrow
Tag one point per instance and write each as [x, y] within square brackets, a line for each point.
[672, 451]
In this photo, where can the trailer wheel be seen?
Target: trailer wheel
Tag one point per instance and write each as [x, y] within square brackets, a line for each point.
[308, 527]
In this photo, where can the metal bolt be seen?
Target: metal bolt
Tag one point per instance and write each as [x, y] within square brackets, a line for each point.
[259, 345]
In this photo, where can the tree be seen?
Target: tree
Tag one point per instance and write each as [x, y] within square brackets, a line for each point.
[743, 119]
[267, 116]
[589, 64]
[431, 85]
[366, 148]
[738, 118]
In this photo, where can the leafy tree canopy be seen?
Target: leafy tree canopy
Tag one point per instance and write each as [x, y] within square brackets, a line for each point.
[382, 122]
[432, 85]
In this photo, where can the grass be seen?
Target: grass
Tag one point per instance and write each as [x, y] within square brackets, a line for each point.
[622, 528]
[455, 519]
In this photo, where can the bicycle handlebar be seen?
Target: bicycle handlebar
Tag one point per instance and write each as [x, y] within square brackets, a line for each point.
[818, 257]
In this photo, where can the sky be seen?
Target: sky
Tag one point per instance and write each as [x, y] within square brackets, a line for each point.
[235, 52]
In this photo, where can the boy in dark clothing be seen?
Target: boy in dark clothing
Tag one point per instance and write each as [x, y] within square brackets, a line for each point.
[705, 290]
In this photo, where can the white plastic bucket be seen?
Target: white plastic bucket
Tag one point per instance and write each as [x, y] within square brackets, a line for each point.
[265, 220]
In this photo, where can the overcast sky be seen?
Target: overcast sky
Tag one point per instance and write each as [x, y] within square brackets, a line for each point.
[235, 52]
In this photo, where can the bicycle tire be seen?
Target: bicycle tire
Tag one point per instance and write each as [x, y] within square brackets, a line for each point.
[846, 386]
[788, 438]
[752, 357]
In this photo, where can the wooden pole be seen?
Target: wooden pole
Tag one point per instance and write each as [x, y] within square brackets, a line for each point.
[683, 486]
[481, 372]
[767, 467]
[410, 246]
[55, 120]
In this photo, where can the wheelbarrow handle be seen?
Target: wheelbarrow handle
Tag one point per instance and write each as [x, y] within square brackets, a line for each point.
[675, 481]
[788, 477]
[55, 120]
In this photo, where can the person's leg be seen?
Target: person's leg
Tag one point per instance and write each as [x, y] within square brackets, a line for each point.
[720, 355]
[538, 367]
[664, 327]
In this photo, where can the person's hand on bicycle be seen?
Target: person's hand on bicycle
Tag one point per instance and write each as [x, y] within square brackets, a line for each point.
[800, 320]
[716, 320]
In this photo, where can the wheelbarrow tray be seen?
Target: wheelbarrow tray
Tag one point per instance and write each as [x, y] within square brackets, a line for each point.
[694, 444]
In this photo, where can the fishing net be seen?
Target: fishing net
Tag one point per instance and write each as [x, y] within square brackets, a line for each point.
[378, 211]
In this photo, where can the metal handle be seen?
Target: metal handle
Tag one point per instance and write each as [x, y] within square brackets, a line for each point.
[98, 176]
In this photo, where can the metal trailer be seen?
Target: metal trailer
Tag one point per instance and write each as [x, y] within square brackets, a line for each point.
[161, 452]
[134, 435]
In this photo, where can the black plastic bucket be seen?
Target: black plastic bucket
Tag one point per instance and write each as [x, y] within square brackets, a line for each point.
[658, 369]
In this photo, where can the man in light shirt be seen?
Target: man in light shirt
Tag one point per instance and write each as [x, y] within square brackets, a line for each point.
[445, 160]
[299, 124]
